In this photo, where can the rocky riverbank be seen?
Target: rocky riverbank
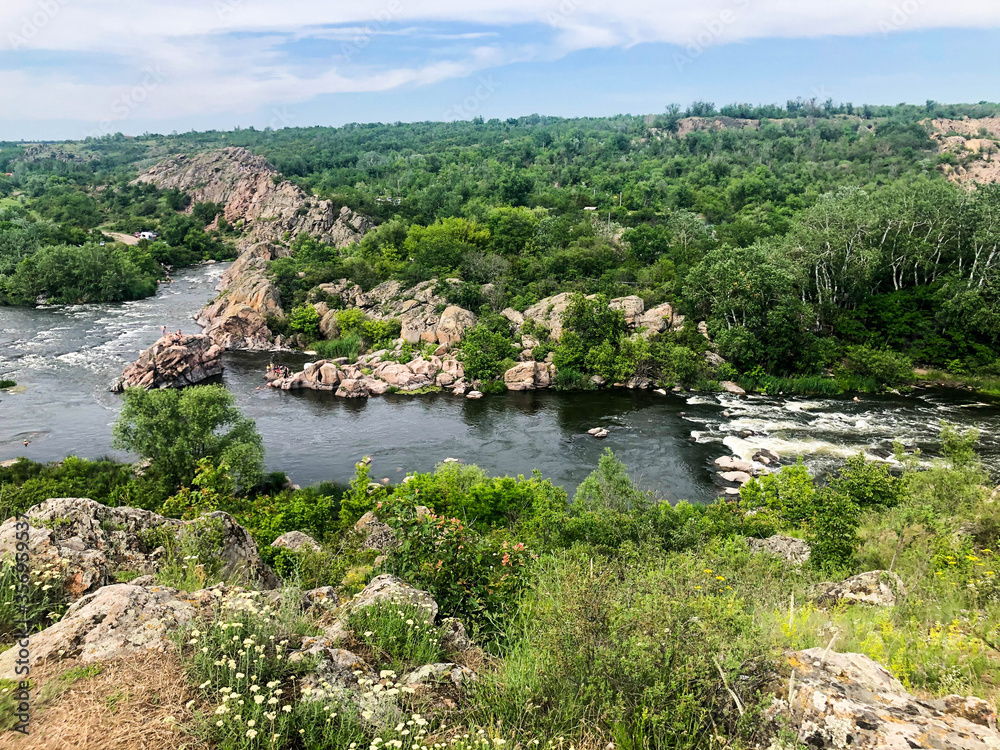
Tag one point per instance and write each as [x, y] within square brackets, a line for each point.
[383, 372]
[270, 212]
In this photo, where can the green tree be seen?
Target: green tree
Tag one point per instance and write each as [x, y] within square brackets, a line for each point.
[305, 320]
[486, 353]
[175, 429]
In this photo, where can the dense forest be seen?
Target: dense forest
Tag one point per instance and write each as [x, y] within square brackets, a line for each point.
[807, 236]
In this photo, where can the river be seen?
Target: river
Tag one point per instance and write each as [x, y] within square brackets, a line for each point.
[64, 359]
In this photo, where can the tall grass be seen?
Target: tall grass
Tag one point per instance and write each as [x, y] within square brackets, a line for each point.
[346, 346]
[808, 385]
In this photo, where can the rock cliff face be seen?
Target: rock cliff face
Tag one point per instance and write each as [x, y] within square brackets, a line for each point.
[976, 142]
[270, 211]
[237, 318]
[252, 193]
[173, 363]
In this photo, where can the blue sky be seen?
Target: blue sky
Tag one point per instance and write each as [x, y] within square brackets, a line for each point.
[72, 68]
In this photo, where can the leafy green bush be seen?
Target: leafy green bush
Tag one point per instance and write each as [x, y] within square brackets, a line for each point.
[467, 493]
[790, 493]
[486, 353]
[351, 322]
[833, 531]
[885, 366]
[475, 577]
[305, 320]
[381, 333]
[869, 484]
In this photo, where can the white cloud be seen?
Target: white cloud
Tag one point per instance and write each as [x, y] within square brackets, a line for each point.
[212, 56]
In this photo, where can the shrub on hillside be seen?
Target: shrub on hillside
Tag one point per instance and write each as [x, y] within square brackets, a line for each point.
[885, 366]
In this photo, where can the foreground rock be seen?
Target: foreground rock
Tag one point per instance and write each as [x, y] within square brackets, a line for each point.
[87, 543]
[389, 589]
[880, 588]
[793, 550]
[111, 622]
[173, 362]
[850, 701]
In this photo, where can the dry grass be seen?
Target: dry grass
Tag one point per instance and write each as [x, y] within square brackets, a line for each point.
[133, 703]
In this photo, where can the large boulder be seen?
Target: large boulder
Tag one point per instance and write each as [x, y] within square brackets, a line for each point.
[838, 701]
[657, 319]
[881, 588]
[389, 589]
[632, 306]
[329, 326]
[453, 324]
[549, 313]
[88, 543]
[353, 388]
[528, 376]
[378, 535]
[173, 362]
[109, 623]
[732, 463]
[793, 550]
[296, 541]
[426, 368]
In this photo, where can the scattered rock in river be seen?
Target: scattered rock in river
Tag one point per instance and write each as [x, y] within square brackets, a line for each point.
[737, 477]
[730, 387]
[733, 463]
[173, 362]
[766, 456]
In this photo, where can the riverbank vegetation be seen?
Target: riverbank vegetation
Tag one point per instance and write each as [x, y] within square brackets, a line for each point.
[812, 232]
[59, 244]
[609, 617]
